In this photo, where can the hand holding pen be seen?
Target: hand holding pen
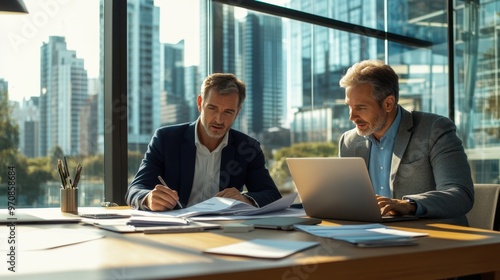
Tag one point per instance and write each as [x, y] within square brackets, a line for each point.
[165, 185]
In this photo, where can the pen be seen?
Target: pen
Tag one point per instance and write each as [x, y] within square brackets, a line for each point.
[77, 175]
[165, 184]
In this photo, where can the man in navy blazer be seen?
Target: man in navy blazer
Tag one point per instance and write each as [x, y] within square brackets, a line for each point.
[205, 158]
[416, 161]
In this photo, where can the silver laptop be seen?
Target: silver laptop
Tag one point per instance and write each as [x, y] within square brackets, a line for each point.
[337, 188]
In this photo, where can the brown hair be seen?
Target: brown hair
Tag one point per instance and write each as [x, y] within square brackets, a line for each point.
[224, 83]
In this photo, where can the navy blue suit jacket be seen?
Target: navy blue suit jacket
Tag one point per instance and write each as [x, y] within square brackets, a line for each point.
[172, 154]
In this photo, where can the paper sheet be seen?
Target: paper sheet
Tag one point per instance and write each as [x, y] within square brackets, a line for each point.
[364, 234]
[263, 248]
[41, 239]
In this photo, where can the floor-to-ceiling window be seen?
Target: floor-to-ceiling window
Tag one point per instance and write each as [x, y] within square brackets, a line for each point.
[290, 53]
[477, 89]
[49, 84]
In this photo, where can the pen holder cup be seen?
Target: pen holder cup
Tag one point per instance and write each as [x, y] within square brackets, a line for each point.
[69, 200]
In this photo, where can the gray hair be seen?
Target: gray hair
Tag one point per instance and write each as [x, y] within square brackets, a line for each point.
[376, 73]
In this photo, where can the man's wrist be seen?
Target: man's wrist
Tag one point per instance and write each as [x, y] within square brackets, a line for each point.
[252, 201]
[412, 206]
[143, 203]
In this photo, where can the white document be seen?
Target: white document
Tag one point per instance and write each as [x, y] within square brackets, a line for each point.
[263, 248]
[365, 235]
[41, 239]
[227, 206]
[145, 221]
[288, 212]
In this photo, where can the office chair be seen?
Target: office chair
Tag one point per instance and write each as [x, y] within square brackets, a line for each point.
[485, 213]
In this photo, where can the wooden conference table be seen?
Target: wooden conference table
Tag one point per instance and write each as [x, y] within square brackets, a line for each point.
[447, 252]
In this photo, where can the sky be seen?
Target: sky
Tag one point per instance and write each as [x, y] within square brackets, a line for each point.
[21, 36]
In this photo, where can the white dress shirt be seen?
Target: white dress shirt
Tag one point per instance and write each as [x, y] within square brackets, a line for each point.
[206, 170]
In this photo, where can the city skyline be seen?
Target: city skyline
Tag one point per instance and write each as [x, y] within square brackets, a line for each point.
[23, 35]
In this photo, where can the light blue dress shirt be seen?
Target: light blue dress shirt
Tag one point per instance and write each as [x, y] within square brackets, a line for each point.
[381, 157]
[379, 165]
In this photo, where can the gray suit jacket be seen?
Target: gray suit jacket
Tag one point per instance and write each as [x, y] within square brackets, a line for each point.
[429, 165]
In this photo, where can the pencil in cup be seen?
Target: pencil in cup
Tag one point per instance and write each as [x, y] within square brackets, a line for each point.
[165, 184]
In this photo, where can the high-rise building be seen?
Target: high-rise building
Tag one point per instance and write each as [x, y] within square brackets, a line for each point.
[63, 89]
[174, 108]
[219, 32]
[262, 71]
[323, 54]
[253, 50]
[28, 119]
[4, 85]
[143, 72]
[192, 86]
[173, 68]
[88, 119]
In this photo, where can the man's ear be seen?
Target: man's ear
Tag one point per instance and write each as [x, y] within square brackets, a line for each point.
[199, 101]
[389, 103]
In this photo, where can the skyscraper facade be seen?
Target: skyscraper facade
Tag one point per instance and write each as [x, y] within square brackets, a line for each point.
[143, 77]
[63, 84]
[262, 70]
[173, 106]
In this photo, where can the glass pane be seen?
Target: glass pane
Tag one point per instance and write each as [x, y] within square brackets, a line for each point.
[298, 65]
[163, 62]
[49, 69]
[422, 19]
[477, 88]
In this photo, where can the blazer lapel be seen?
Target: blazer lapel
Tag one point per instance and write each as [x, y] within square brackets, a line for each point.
[188, 152]
[363, 150]
[227, 155]
[402, 140]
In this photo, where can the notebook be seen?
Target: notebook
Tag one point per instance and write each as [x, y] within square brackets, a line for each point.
[337, 188]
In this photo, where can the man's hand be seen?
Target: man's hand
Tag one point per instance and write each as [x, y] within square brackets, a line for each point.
[390, 206]
[234, 193]
[161, 198]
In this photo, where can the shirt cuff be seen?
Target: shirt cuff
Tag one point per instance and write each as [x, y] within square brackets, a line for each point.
[251, 199]
[142, 204]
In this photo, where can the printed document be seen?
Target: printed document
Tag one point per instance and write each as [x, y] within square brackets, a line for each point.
[227, 206]
[364, 235]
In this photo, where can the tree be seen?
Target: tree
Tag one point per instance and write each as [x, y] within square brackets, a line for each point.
[55, 154]
[32, 174]
[9, 136]
[93, 167]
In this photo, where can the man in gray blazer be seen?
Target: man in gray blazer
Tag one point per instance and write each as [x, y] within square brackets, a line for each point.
[416, 161]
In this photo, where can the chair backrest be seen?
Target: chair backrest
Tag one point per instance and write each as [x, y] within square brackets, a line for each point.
[485, 213]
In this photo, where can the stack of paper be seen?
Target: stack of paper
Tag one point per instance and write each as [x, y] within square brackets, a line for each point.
[149, 221]
[365, 235]
[226, 206]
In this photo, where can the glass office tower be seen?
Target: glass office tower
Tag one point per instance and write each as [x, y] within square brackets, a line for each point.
[63, 89]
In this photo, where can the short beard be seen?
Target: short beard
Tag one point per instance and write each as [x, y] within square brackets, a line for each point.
[377, 125]
[212, 134]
